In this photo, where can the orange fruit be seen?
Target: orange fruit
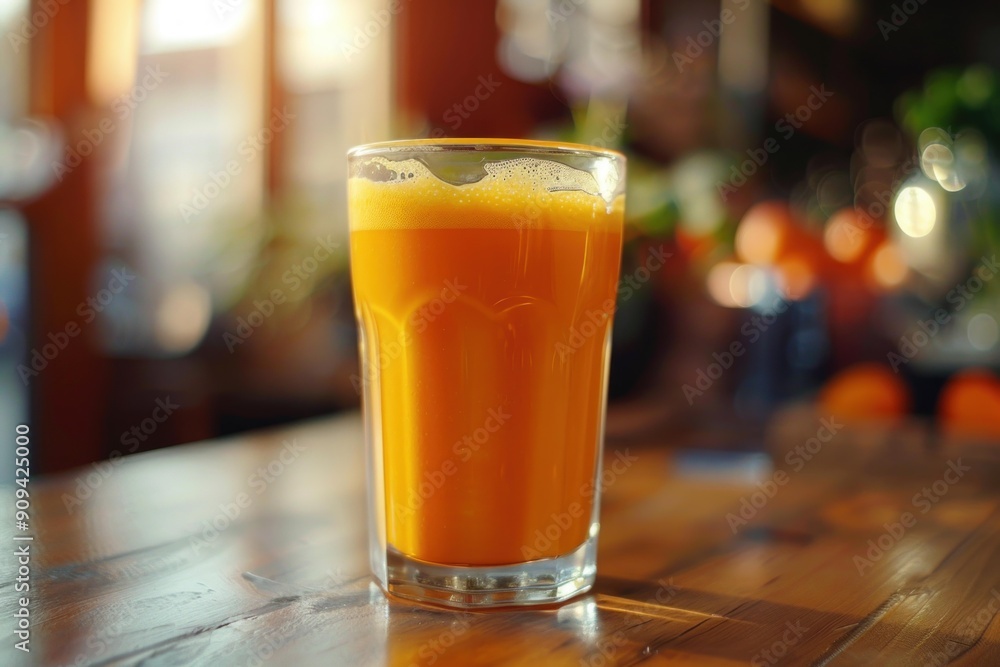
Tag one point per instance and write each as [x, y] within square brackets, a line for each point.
[865, 392]
[970, 404]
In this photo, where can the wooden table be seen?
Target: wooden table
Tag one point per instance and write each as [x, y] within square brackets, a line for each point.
[200, 555]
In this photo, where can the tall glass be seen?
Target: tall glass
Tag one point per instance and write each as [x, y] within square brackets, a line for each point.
[484, 275]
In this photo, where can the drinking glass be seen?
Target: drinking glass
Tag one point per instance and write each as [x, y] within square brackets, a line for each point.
[484, 274]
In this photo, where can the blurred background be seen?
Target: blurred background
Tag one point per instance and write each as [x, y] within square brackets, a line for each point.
[820, 174]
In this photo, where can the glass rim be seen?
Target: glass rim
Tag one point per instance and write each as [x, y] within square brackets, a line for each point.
[488, 145]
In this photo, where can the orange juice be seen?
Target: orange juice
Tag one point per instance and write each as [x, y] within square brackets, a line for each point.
[485, 320]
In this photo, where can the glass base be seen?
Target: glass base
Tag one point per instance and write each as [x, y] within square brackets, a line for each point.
[543, 581]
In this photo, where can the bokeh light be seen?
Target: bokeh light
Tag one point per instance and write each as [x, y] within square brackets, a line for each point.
[843, 238]
[702, 212]
[182, 317]
[736, 285]
[938, 162]
[887, 269]
[796, 277]
[914, 211]
[983, 331]
[761, 233]
[881, 143]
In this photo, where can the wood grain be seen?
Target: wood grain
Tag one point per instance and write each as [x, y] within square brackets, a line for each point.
[136, 572]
